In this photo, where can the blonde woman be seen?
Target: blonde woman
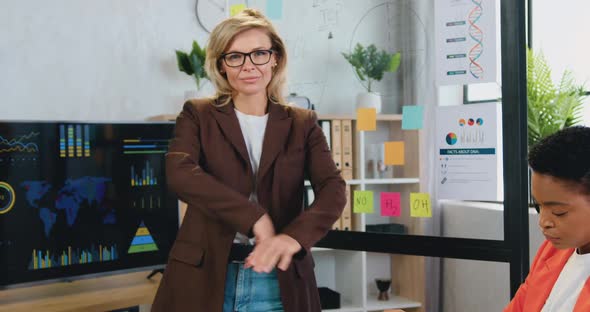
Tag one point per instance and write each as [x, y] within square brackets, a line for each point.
[239, 160]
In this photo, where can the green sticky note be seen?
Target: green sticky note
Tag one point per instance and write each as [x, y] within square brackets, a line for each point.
[412, 117]
[236, 8]
[363, 202]
[420, 205]
[394, 62]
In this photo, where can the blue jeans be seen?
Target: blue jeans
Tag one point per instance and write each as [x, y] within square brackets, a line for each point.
[248, 291]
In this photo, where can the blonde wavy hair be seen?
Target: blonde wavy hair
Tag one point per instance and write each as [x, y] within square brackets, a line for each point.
[220, 39]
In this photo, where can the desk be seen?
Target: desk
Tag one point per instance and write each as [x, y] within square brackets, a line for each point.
[95, 294]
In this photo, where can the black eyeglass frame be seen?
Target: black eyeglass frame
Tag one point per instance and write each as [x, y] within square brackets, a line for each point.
[249, 54]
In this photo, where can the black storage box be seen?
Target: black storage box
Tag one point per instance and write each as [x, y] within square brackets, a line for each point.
[329, 299]
[389, 228]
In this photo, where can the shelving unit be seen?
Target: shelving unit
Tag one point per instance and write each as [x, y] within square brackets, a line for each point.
[352, 273]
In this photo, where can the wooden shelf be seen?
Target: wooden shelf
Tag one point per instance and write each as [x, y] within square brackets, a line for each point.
[346, 307]
[392, 181]
[394, 302]
[93, 294]
[349, 182]
[163, 117]
[378, 181]
[321, 249]
[380, 117]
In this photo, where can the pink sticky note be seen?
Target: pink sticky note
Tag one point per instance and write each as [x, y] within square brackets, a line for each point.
[390, 204]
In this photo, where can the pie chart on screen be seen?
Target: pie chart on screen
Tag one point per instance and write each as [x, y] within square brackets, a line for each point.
[451, 138]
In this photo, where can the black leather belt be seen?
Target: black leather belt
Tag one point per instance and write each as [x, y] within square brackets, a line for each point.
[239, 252]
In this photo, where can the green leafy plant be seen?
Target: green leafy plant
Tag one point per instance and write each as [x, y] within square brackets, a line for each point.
[193, 63]
[370, 64]
[550, 107]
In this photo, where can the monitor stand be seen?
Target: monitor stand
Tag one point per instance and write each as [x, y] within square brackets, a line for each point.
[154, 272]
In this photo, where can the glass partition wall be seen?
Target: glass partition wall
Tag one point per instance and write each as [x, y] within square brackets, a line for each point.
[400, 163]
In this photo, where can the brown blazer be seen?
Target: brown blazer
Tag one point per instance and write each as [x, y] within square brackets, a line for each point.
[208, 167]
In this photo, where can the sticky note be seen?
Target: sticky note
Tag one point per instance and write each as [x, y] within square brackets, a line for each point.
[274, 9]
[390, 204]
[412, 117]
[366, 119]
[236, 8]
[420, 205]
[394, 153]
[363, 202]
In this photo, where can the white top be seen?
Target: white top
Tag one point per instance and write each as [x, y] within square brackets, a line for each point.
[569, 284]
[253, 128]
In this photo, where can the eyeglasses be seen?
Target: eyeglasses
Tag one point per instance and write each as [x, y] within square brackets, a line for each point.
[237, 59]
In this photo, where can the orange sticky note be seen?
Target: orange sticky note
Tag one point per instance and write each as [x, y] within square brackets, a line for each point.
[236, 8]
[366, 119]
[420, 205]
[394, 153]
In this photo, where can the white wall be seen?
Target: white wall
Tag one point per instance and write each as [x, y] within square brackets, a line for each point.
[114, 60]
[93, 60]
[560, 30]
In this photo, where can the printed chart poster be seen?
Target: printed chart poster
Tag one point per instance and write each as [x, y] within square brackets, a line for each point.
[466, 41]
[469, 146]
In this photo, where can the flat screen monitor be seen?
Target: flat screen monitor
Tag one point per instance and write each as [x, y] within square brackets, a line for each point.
[81, 199]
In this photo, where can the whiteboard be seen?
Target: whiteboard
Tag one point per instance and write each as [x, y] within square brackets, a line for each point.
[126, 51]
[316, 32]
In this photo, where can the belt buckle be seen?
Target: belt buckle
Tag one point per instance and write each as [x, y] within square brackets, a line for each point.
[239, 253]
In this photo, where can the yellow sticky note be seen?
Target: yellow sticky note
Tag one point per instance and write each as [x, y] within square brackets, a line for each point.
[236, 8]
[366, 119]
[363, 202]
[394, 153]
[420, 205]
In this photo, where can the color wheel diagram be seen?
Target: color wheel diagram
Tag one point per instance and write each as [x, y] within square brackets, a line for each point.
[6, 197]
[143, 241]
[451, 138]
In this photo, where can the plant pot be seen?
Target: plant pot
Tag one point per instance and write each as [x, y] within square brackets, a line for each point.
[369, 100]
[383, 285]
[205, 91]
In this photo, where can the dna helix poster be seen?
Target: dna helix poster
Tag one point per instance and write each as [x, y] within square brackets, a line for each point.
[466, 41]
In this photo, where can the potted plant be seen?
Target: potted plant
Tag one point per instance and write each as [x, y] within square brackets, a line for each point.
[370, 65]
[550, 108]
[193, 64]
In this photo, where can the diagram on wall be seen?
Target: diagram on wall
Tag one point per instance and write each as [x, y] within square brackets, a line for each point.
[143, 240]
[466, 39]
[469, 146]
[74, 141]
[400, 30]
[317, 32]
[21, 144]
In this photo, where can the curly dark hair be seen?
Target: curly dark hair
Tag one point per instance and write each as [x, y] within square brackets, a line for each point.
[564, 155]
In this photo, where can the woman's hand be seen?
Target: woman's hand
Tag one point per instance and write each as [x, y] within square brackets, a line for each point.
[263, 228]
[269, 253]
